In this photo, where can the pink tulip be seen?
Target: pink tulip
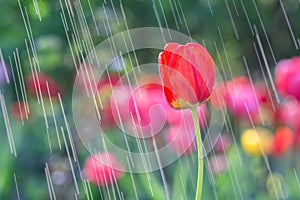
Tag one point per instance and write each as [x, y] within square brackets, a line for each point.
[181, 133]
[241, 97]
[120, 104]
[287, 77]
[101, 169]
[289, 113]
[223, 143]
[218, 164]
[147, 106]
[181, 139]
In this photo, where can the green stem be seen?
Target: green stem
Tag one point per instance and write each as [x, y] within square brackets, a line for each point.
[200, 155]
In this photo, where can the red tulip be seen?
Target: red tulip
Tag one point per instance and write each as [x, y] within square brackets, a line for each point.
[287, 77]
[283, 141]
[241, 97]
[37, 83]
[188, 74]
[101, 169]
[19, 110]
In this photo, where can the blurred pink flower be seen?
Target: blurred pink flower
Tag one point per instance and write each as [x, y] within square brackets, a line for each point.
[142, 110]
[223, 143]
[287, 77]
[175, 117]
[241, 97]
[101, 169]
[289, 113]
[218, 163]
[181, 133]
[120, 103]
[105, 87]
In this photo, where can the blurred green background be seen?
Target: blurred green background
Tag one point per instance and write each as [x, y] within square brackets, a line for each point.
[226, 28]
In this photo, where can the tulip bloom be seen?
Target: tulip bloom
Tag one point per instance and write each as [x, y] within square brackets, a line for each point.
[101, 169]
[241, 98]
[289, 114]
[141, 111]
[287, 77]
[188, 74]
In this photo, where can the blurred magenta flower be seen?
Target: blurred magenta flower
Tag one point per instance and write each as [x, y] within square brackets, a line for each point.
[181, 133]
[181, 139]
[289, 113]
[148, 106]
[188, 74]
[223, 143]
[120, 103]
[38, 82]
[218, 163]
[283, 141]
[287, 77]
[241, 97]
[101, 169]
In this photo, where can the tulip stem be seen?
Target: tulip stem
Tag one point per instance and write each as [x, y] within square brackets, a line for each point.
[200, 155]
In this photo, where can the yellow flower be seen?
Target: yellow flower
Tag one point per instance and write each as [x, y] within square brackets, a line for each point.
[257, 142]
